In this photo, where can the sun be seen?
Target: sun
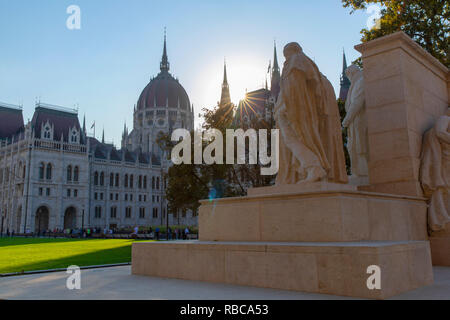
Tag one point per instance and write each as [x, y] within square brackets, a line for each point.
[245, 72]
[243, 77]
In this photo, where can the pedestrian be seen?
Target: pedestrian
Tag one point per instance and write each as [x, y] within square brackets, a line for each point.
[134, 235]
[186, 233]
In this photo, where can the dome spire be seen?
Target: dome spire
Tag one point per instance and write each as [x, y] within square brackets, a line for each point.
[165, 65]
[225, 78]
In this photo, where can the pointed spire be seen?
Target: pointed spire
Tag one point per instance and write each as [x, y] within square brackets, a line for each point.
[165, 65]
[344, 62]
[225, 79]
[345, 82]
[124, 134]
[276, 76]
[275, 57]
[103, 136]
[84, 124]
[225, 98]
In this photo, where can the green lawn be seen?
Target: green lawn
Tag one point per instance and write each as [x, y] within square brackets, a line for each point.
[28, 254]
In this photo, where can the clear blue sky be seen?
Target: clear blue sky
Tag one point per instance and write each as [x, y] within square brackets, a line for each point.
[104, 66]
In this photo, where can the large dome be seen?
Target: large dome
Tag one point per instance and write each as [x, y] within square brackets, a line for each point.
[162, 91]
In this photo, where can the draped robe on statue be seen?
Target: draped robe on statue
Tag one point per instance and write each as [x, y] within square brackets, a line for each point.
[308, 118]
[435, 173]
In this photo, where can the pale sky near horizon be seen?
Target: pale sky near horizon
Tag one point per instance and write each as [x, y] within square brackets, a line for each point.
[104, 66]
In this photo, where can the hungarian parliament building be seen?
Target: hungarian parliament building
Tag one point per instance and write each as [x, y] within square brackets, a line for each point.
[54, 176]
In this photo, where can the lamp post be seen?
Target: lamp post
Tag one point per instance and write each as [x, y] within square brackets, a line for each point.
[167, 214]
[39, 221]
[30, 148]
[82, 220]
[1, 230]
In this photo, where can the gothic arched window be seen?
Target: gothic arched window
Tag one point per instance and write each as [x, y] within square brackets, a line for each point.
[102, 179]
[96, 178]
[76, 174]
[49, 172]
[41, 170]
[69, 173]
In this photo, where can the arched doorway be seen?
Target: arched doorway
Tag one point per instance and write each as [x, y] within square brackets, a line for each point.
[41, 219]
[70, 218]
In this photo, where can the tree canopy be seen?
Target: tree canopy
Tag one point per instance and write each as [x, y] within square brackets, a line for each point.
[425, 21]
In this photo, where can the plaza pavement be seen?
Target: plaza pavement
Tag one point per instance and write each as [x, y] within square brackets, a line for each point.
[118, 283]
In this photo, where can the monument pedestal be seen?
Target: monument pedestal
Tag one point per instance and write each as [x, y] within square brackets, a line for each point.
[328, 268]
[296, 213]
[440, 247]
[318, 238]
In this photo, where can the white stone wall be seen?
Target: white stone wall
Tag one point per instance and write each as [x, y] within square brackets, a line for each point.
[128, 197]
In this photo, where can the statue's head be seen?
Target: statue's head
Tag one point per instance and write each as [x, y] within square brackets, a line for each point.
[352, 71]
[291, 49]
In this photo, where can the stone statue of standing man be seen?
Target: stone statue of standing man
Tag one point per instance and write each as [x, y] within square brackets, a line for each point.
[307, 115]
[356, 124]
[435, 173]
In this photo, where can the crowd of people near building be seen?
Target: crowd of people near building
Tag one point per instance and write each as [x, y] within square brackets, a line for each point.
[178, 233]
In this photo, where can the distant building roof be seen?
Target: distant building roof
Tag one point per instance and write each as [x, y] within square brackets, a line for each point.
[106, 151]
[62, 120]
[11, 120]
[164, 90]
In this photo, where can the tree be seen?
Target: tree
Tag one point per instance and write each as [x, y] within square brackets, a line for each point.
[190, 183]
[425, 21]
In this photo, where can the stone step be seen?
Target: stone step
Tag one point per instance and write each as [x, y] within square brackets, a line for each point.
[329, 268]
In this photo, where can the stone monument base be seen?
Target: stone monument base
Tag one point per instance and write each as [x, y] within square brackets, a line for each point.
[440, 247]
[313, 213]
[327, 268]
[314, 237]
